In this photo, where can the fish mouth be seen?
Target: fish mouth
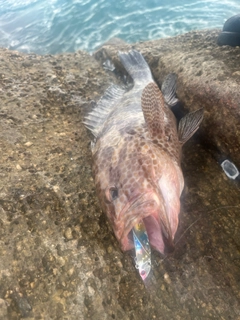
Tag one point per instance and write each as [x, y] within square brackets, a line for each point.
[152, 213]
[156, 236]
[159, 238]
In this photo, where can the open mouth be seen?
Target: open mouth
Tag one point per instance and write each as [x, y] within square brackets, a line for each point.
[153, 213]
[154, 233]
[158, 238]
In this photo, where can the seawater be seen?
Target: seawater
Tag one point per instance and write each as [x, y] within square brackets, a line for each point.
[55, 26]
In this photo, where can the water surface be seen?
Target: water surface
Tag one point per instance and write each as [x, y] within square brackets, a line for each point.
[54, 26]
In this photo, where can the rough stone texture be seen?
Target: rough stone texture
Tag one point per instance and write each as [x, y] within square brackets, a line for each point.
[58, 257]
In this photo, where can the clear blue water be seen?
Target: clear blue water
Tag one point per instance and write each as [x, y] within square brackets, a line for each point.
[54, 26]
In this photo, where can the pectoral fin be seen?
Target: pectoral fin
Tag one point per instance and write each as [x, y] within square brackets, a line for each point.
[169, 88]
[152, 102]
[189, 124]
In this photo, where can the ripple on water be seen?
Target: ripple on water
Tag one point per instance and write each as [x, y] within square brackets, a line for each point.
[58, 25]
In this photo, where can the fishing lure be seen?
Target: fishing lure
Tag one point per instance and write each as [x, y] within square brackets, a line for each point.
[142, 250]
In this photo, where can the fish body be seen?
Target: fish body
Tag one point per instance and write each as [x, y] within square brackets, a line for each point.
[137, 153]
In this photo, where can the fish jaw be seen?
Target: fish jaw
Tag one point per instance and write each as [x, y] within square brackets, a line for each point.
[154, 233]
[171, 185]
[150, 209]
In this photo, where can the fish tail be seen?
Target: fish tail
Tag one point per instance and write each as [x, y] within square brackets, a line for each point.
[136, 66]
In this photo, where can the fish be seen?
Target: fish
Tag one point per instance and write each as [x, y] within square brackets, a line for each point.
[136, 150]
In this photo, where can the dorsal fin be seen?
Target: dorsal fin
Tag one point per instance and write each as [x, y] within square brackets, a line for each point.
[168, 88]
[189, 124]
[152, 102]
[95, 119]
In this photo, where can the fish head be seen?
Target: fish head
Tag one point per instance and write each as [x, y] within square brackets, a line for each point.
[139, 182]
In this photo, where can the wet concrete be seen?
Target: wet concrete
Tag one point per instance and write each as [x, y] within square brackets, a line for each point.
[58, 256]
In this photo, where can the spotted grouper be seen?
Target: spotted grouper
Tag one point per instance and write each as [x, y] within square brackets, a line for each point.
[137, 152]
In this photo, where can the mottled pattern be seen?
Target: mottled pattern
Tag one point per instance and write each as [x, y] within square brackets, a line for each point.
[133, 165]
[161, 123]
[137, 160]
[152, 102]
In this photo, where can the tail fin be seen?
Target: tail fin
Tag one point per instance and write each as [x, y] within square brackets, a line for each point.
[136, 66]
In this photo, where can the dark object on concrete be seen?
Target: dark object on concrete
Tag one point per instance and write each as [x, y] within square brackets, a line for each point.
[231, 32]
[229, 38]
[232, 24]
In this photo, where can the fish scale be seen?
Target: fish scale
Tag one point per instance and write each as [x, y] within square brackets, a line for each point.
[136, 159]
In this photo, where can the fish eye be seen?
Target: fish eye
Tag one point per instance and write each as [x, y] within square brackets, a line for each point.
[112, 194]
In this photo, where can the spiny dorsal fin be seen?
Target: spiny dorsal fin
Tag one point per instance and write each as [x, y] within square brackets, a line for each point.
[168, 88]
[95, 119]
[152, 102]
[189, 124]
